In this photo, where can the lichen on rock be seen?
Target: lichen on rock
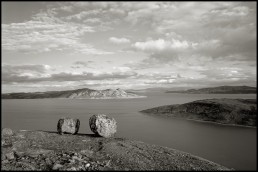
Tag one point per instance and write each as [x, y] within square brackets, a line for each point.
[103, 125]
[7, 132]
[68, 125]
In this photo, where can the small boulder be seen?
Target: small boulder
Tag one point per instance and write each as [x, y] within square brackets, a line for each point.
[103, 125]
[18, 154]
[2, 142]
[57, 166]
[3, 157]
[68, 125]
[87, 152]
[9, 156]
[7, 132]
[71, 169]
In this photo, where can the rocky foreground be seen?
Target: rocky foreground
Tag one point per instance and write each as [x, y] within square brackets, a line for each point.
[41, 150]
[225, 111]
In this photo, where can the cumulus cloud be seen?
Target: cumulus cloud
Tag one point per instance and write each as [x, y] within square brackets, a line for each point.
[214, 29]
[161, 44]
[119, 40]
[122, 69]
[163, 51]
[189, 43]
[227, 22]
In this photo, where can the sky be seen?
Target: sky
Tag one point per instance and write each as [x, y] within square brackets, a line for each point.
[129, 45]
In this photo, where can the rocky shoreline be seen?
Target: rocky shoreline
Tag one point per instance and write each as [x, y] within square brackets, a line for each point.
[44, 150]
[237, 112]
[219, 90]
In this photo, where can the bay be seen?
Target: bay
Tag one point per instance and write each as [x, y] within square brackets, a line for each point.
[231, 146]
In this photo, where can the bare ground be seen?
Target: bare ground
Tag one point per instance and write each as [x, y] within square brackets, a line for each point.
[42, 150]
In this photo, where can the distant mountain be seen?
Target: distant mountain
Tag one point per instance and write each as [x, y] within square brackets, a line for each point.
[220, 90]
[155, 89]
[84, 93]
[226, 111]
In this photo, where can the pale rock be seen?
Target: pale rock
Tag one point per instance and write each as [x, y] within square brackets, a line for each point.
[103, 125]
[9, 156]
[7, 132]
[57, 166]
[3, 157]
[87, 152]
[72, 169]
[68, 125]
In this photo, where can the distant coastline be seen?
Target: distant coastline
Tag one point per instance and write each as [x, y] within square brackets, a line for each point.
[219, 90]
[84, 93]
[208, 122]
[103, 98]
[230, 125]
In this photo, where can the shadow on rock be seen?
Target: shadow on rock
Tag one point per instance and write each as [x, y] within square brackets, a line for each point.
[79, 134]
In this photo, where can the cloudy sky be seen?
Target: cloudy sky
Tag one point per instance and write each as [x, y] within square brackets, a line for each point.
[129, 45]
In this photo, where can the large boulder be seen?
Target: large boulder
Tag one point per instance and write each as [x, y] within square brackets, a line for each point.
[68, 125]
[7, 132]
[103, 125]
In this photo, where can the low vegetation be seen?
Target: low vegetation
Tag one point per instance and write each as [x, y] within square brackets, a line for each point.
[226, 111]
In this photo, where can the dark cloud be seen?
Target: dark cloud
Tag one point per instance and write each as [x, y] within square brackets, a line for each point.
[89, 76]
[81, 64]
[155, 60]
[21, 68]
[36, 73]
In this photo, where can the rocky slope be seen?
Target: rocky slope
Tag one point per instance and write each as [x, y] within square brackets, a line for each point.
[226, 111]
[220, 90]
[39, 150]
[84, 93]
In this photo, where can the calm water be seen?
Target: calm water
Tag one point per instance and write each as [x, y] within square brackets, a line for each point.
[233, 147]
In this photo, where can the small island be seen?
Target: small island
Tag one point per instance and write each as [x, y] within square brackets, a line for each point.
[224, 111]
[84, 93]
[219, 90]
[44, 150]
